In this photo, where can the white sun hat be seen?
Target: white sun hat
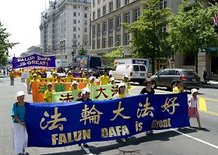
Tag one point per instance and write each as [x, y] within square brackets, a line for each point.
[86, 90]
[20, 93]
[194, 90]
[74, 82]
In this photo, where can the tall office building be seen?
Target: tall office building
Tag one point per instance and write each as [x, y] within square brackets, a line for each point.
[107, 16]
[65, 28]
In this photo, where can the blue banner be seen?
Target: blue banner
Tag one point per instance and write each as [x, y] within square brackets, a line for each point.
[33, 61]
[63, 124]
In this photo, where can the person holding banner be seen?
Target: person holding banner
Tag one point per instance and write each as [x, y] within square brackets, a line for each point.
[85, 96]
[121, 94]
[19, 128]
[126, 81]
[48, 93]
[74, 86]
[91, 81]
[69, 77]
[148, 90]
[178, 87]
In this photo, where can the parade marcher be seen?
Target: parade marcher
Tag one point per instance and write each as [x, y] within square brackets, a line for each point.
[69, 77]
[104, 79]
[205, 74]
[85, 96]
[193, 106]
[74, 86]
[58, 79]
[19, 128]
[148, 87]
[35, 79]
[112, 80]
[12, 75]
[178, 88]
[148, 90]
[126, 81]
[121, 94]
[91, 81]
[48, 93]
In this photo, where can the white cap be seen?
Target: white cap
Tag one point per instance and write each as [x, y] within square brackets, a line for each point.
[126, 76]
[20, 93]
[49, 83]
[121, 85]
[112, 79]
[74, 82]
[194, 90]
[85, 90]
[91, 78]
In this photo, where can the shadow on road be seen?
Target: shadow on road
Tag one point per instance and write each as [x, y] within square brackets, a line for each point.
[163, 136]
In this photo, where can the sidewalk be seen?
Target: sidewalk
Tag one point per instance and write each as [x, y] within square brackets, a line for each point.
[210, 84]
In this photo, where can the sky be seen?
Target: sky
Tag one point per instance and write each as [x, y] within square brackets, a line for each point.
[21, 18]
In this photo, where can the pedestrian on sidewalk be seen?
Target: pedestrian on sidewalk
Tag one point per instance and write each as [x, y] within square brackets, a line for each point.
[193, 106]
[205, 74]
[19, 127]
[12, 75]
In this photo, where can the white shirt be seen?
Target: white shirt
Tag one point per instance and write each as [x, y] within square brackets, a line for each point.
[192, 102]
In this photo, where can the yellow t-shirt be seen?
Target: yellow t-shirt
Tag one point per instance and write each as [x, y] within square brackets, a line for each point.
[72, 89]
[69, 78]
[177, 90]
[122, 95]
[104, 80]
[48, 96]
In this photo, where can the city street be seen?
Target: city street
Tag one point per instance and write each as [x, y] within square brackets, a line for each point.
[186, 141]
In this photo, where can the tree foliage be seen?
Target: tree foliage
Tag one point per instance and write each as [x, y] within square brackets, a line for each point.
[149, 33]
[191, 29]
[5, 45]
[111, 56]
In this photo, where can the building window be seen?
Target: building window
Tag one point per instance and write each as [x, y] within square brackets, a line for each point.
[93, 30]
[98, 43]
[93, 3]
[104, 10]
[74, 28]
[86, 8]
[74, 21]
[118, 4]
[163, 4]
[74, 6]
[110, 6]
[126, 39]
[98, 29]
[126, 2]
[85, 29]
[74, 14]
[93, 44]
[117, 40]
[104, 43]
[85, 22]
[137, 13]
[110, 41]
[127, 17]
[99, 1]
[104, 27]
[118, 22]
[98, 13]
[74, 36]
[93, 15]
[85, 15]
[110, 25]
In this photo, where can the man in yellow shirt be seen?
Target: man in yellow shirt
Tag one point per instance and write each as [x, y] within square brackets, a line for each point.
[178, 87]
[74, 86]
[48, 93]
[104, 79]
[69, 77]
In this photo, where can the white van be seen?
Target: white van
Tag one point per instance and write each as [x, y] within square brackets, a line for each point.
[136, 72]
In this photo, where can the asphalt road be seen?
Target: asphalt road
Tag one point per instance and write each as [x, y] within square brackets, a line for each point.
[187, 141]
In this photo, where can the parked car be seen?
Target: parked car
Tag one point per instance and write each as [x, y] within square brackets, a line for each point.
[167, 78]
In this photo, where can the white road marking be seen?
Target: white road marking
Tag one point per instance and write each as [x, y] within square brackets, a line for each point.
[196, 139]
[25, 85]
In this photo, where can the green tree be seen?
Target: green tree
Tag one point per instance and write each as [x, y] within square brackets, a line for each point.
[149, 33]
[5, 45]
[82, 52]
[191, 29]
[111, 56]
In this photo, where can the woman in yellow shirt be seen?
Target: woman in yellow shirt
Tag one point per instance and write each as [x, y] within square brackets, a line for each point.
[91, 81]
[178, 87]
[74, 86]
[48, 93]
